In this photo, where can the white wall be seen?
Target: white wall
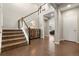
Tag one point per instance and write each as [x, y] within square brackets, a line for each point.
[46, 28]
[78, 25]
[13, 11]
[59, 25]
[41, 24]
[1, 23]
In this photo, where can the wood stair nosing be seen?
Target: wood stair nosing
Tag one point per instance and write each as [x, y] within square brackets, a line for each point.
[13, 44]
[12, 30]
[13, 47]
[12, 35]
[6, 33]
[9, 41]
[13, 39]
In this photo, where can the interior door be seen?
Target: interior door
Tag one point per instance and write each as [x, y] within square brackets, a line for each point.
[70, 25]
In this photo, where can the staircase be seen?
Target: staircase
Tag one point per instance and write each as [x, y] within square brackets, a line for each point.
[12, 39]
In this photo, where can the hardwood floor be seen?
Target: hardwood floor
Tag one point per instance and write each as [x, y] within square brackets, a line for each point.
[46, 47]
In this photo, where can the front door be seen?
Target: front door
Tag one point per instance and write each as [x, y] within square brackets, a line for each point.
[70, 25]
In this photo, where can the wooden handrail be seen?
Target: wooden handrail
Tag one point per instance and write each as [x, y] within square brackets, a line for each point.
[19, 23]
[39, 9]
[25, 24]
[22, 20]
[30, 14]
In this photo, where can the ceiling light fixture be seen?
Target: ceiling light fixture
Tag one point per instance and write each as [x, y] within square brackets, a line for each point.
[52, 14]
[68, 5]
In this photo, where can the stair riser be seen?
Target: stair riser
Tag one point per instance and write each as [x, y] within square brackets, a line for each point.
[12, 37]
[12, 47]
[12, 33]
[13, 41]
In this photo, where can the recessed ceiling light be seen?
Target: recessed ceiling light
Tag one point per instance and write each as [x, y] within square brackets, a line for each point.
[52, 14]
[68, 5]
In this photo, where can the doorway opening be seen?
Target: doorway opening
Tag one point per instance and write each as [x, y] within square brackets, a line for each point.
[49, 25]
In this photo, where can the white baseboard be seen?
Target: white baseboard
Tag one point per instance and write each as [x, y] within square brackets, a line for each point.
[77, 42]
[72, 41]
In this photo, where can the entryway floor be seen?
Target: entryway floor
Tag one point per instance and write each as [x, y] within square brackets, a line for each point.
[45, 47]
